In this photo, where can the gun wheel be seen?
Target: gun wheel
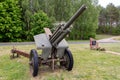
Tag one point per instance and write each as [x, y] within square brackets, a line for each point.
[34, 65]
[68, 63]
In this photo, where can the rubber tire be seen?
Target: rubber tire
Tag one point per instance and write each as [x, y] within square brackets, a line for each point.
[34, 55]
[70, 58]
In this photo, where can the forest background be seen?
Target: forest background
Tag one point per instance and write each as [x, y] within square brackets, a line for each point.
[20, 20]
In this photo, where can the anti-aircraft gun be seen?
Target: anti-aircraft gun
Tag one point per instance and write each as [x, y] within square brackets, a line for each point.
[54, 47]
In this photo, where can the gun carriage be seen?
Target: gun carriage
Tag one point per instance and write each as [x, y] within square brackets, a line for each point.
[54, 47]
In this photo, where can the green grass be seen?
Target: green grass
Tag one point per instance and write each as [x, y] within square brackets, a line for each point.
[88, 65]
[13, 69]
[111, 47]
[102, 36]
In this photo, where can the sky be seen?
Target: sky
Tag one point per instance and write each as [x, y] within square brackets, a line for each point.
[104, 3]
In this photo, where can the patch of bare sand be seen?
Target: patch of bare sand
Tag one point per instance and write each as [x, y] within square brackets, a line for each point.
[116, 53]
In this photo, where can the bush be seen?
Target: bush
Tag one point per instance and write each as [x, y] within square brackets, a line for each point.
[38, 21]
[10, 21]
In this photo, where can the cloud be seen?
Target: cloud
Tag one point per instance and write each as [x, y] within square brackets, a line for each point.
[104, 3]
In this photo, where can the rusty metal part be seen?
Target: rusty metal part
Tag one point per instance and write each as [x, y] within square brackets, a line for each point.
[20, 53]
[50, 60]
[53, 64]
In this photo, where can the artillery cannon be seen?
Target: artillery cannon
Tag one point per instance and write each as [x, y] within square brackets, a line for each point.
[54, 47]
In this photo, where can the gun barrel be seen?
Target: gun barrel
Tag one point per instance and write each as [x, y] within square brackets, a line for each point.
[75, 16]
[62, 31]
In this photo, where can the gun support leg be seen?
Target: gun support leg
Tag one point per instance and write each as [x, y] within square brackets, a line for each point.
[18, 52]
[53, 64]
[14, 54]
